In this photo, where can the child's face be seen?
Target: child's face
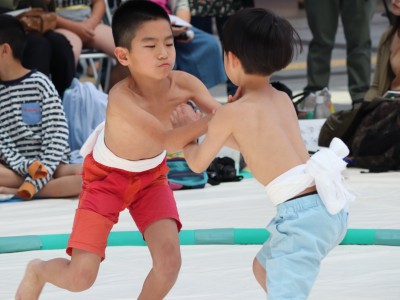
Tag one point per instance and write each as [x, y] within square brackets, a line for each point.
[152, 50]
[395, 7]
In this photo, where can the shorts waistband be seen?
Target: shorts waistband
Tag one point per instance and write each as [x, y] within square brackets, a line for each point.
[303, 195]
[301, 203]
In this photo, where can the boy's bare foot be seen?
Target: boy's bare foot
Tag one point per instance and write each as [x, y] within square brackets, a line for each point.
[30, 286]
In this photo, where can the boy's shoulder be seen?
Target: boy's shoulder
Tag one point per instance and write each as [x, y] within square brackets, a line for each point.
[35, 80]
[186, 81]
[43, 81]
[38, 77]
[183, 77]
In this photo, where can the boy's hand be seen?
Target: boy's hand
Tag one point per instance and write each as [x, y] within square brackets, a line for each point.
[235, 97]
[184, 114]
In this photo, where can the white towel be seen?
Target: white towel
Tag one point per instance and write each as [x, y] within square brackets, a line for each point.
[324, 169]
[104, 156]
[88, 146]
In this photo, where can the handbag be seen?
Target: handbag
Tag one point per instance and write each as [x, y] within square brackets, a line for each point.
[38, 20]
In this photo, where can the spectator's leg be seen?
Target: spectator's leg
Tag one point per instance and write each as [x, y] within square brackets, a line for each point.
[201, 57]
[220, 21]
[203, 23]
[37, 53]
[62, 64]
[62, 187]
[322, 17]
[74, 40]
[8, 178]
[356, 19]
[103, 40]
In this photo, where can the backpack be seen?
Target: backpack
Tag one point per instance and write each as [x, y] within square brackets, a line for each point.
[371, 131]
[181, 177]
[222, 169]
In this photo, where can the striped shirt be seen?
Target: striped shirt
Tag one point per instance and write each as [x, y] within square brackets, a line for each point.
[32, 126]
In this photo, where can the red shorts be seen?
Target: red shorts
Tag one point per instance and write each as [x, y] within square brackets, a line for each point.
[107, 191]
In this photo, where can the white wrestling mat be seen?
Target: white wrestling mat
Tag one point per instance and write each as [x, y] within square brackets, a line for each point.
[215, 272]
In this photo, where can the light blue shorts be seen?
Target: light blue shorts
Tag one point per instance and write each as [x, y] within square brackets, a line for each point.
[301, 235]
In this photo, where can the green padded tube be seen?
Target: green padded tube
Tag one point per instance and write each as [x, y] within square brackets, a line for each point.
[20, 243]
[216, 236]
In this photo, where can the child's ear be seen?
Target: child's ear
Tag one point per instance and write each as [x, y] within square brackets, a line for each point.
[233, 59]
[122, 55]
[5, 48]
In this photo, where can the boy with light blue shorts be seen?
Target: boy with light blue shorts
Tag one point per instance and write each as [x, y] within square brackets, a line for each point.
[293, 253]
[308, 192]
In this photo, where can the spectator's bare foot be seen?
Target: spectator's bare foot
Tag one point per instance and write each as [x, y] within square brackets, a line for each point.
[30, 286]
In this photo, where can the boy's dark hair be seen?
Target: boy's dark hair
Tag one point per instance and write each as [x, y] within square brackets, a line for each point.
[263, 42]
[130, 16]
[12, 32]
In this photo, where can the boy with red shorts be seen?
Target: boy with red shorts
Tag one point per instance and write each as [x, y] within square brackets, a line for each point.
[125, 163]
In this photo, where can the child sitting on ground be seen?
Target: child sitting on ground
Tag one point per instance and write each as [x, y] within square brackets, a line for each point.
[34, 151]
[309, 194]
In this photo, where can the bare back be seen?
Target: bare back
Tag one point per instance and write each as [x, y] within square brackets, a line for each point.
[136, 124]
[269, 138]
[266, 130]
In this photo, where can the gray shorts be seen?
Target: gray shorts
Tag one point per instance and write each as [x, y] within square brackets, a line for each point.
[77, 15]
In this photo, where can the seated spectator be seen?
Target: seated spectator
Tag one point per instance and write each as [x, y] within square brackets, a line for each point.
[50, 53]
[81, 23]
[34, 152]
[387, 71]
[201, 55]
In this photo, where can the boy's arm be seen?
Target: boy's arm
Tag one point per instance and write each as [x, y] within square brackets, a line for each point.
[200, 95]
[220, 129]
[207, 103]
[177, 138]
[54, 129]
[11, 157]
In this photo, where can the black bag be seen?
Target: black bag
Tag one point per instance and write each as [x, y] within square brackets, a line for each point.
[222, 169]
[371, 131]
[376, 142]
[297, 99]
[342, 124]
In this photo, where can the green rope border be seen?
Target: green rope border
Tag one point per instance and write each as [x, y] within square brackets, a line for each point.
[216, 236]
